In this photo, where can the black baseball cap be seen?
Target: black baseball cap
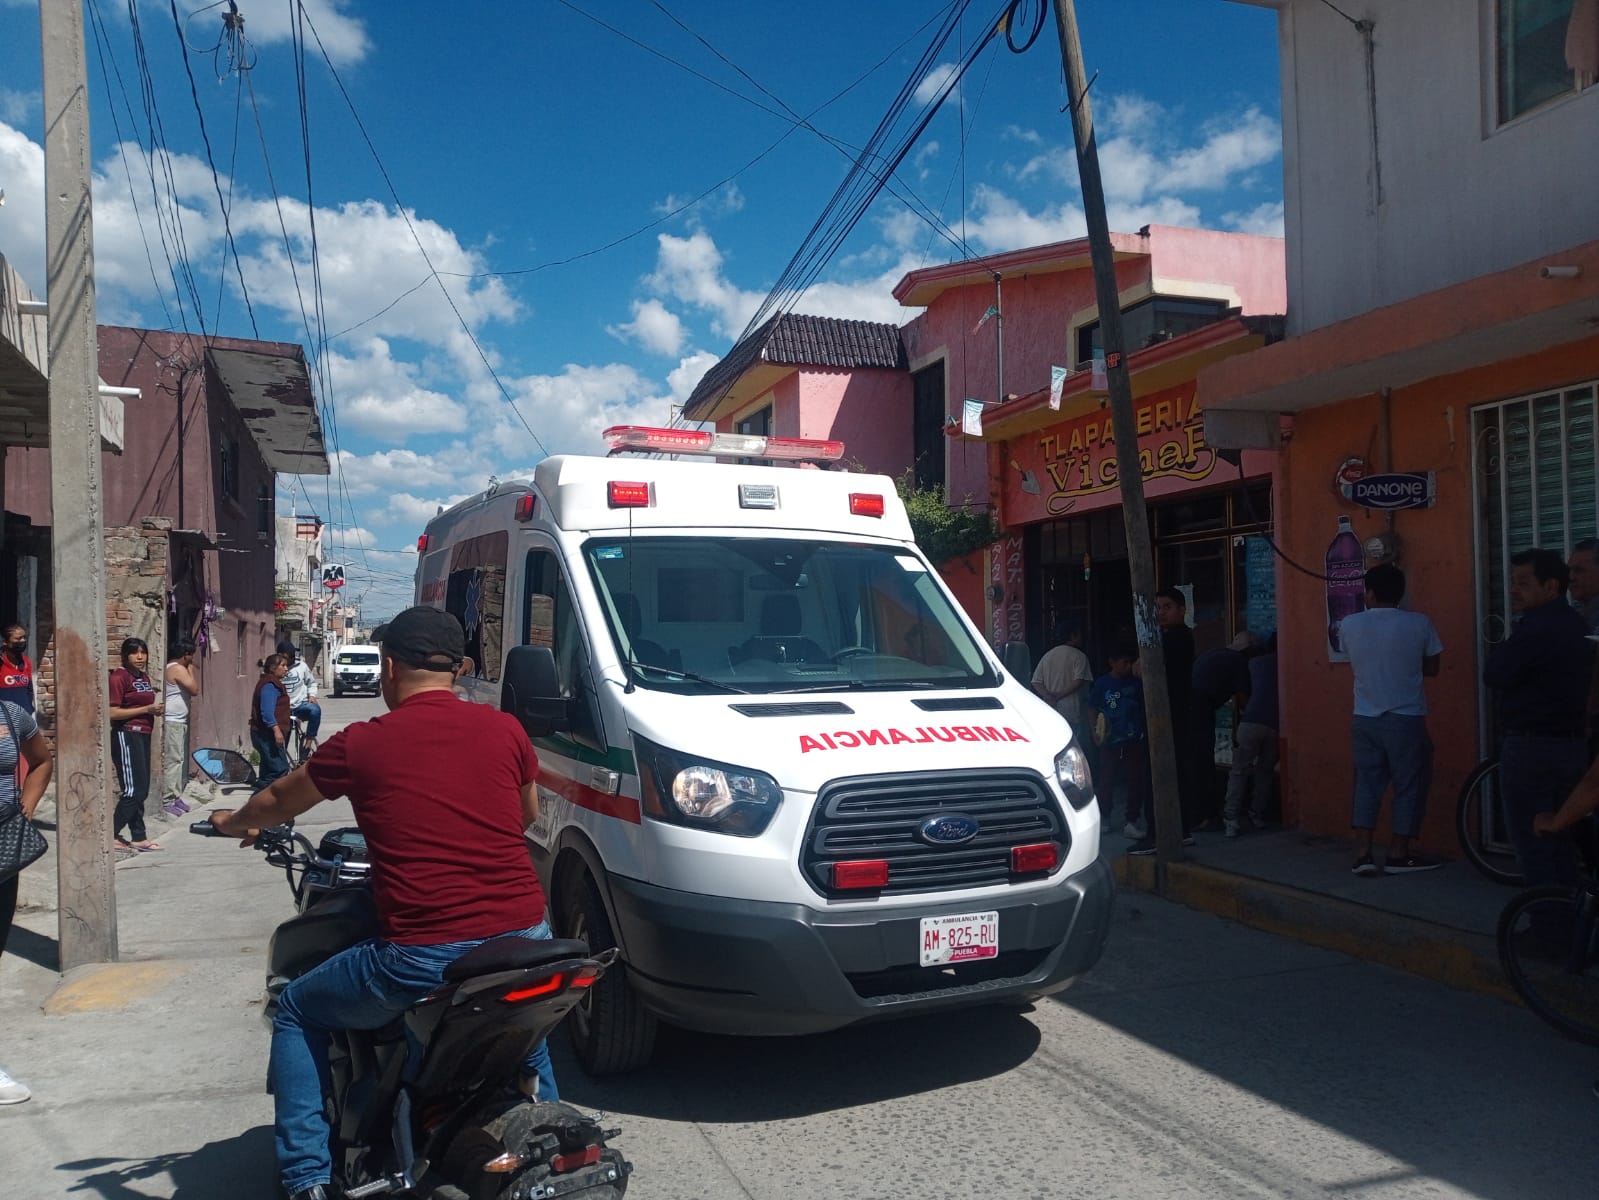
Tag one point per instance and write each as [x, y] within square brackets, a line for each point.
[426, 638]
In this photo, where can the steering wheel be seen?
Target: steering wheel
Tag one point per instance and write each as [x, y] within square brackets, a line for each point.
[839, 656]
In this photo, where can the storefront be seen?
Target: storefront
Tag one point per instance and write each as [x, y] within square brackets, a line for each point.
[1065, 551]
[1506, 447]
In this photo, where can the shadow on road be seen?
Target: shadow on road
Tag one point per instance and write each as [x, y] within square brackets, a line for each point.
[41, 951]
[232, 1167]
[728, 1080]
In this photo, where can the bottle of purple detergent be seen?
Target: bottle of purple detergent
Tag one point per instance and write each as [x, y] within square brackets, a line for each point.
[1346, 581]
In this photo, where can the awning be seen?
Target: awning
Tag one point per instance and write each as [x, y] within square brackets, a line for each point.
[1509, 314]
[25, 371]
[270, 386]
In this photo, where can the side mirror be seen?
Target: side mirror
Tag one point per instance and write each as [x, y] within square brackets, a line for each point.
[1018, 660]
[228, 768]
[531, 691]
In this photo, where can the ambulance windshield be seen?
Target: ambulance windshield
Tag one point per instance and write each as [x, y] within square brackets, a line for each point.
[697, 614]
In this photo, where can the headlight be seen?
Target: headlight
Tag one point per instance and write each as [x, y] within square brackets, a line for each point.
[696, 792]
[1071, 772]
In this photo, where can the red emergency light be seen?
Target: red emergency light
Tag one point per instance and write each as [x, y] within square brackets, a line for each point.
[628, 495]
[1029, 860]
[422, 544]
[864, 874]
[864, 505]
[648, 439]
[525, 506]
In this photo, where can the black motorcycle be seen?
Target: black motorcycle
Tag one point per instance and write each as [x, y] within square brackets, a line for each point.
[455, 1128]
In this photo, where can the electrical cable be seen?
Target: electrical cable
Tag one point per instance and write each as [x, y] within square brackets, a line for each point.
[1265, 526]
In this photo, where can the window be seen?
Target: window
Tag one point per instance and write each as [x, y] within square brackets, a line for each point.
[927, 426]
[263, 510]
[228, 467]
[1532, 54]
[757, 424]
[1157, 319]
[474, 593]
[550, 618]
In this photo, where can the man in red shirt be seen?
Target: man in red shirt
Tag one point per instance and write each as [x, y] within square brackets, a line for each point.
[442, 792]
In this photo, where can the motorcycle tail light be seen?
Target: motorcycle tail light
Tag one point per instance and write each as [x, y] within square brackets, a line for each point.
[574, 1159]
[548, 987]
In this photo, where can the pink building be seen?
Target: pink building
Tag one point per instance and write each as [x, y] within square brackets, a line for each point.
[993, 330]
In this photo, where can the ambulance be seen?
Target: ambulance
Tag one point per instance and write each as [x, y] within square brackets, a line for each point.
[779, 768]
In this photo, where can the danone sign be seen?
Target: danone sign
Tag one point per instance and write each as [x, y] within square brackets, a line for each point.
[1398, 489]
[1074, 463]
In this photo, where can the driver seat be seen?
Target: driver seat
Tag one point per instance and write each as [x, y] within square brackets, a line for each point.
[651, 654]
[780, 639]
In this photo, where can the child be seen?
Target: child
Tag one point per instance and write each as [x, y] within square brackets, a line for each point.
[1117, 702]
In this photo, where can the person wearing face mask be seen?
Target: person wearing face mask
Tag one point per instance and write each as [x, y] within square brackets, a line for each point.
[134, 707]
[16, 669]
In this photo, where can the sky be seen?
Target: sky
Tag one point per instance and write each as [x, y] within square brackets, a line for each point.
[536, 220]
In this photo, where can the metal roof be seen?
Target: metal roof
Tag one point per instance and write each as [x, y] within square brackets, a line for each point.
[270, 386]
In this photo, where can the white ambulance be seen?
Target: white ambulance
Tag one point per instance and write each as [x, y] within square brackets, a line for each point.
[778, 766]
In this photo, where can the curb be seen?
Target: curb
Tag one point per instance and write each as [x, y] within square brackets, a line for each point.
[1438, 952]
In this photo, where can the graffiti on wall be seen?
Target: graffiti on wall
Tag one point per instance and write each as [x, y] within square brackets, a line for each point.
[1005, 575]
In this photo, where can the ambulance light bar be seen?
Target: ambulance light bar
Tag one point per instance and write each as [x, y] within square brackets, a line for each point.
[647, 439]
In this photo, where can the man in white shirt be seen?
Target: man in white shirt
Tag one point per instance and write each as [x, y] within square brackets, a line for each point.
[300, 683]
[1063, 674]
[1391, 650]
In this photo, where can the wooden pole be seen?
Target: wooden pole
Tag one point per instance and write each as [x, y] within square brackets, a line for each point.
[1140, 553]
[86, 904]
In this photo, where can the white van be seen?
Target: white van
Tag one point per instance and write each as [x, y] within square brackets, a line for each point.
[356, 669]
[778, 766]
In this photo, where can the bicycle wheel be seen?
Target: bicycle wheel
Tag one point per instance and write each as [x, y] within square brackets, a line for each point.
[1480, 822]
[1549, 949]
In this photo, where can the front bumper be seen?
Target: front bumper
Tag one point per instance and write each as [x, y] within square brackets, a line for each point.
[738, 966]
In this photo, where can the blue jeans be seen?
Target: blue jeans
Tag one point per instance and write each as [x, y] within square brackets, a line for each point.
[274, 758]
[1536, 774]
[311, 713]
[364, 987]
[1392, 748]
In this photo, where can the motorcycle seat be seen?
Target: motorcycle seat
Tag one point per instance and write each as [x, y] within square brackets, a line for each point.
[513, 953]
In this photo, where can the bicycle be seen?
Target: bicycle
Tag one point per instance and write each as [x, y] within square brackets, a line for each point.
[296, 750]
[1549, 950]
[1480, 824]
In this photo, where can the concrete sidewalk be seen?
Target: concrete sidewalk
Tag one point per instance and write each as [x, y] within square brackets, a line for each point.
[1438, 924]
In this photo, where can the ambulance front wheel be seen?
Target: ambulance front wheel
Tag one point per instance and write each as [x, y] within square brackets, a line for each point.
[610, 1028]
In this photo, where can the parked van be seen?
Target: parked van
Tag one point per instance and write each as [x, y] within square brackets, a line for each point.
[355, 669]
[779, 768]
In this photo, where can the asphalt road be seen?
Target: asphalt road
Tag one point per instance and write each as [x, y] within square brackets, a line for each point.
[1200, 1059]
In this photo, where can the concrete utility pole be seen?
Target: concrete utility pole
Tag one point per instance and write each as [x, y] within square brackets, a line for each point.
[86, 904]
[1140, 554]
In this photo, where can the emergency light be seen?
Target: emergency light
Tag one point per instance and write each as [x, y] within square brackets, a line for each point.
[649, 439]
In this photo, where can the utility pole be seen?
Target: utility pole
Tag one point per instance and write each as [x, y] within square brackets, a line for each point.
[1129, 474]
[86, 895]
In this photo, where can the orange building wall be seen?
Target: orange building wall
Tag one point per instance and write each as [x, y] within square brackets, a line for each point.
[1438, 557]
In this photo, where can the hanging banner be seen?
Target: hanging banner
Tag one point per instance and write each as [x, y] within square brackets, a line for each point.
[1057, 380]
[972, 418]
[1098, 380]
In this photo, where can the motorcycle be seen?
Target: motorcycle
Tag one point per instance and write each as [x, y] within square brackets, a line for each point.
[455, 1127]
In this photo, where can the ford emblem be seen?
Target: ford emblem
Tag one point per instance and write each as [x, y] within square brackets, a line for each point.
[948, 829]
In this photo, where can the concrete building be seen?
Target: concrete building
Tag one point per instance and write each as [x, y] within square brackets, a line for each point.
[190, 526]
[1443, 321]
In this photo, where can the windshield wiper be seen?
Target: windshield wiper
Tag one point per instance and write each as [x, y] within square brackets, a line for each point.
[867, 685]
[677, 674]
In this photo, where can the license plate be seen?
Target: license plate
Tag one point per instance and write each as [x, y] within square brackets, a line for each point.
[964, 938]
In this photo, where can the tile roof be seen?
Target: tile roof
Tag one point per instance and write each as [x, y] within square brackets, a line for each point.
[791, 339]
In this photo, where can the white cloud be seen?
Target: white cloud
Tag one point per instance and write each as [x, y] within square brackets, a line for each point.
[925, 154]
[343, 35]
[685, 377]
[1266, 219]
[654, 326]
[690, 269]
[15, 106]
[377, 395]
[934, 82]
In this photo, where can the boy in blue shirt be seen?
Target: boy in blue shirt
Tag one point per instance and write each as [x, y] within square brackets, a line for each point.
[1117, 703]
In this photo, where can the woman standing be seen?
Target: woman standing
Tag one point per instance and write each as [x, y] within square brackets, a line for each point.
[183, 684]
[134, 707]
[20, 741]
[16, 669]
[269, 720]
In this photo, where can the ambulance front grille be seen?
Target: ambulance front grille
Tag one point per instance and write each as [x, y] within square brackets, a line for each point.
[881, 817]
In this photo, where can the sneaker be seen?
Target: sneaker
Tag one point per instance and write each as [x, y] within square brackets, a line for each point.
[1132, 830]
[1188, 839]
[174, 808]
[1365, 865]
[1414, 862]
[1142, 848]
[1232, 829]
[12, 1092]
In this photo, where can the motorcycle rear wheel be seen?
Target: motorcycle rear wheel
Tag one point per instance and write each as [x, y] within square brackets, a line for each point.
[517, 1126]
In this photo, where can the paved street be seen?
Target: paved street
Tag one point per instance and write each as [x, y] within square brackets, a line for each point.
[1201, 1059]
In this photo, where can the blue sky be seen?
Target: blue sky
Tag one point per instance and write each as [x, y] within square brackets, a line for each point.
[519, 135]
